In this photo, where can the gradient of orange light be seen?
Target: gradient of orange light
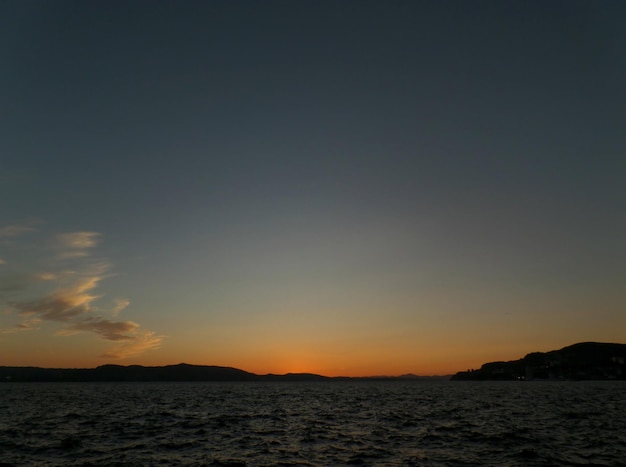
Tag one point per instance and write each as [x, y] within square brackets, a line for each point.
[310, 346]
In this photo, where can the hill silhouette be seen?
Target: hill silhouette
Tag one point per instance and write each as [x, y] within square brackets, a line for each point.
[582, 361]
[180, 372]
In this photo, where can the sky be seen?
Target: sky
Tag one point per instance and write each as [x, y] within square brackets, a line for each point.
[343, 188]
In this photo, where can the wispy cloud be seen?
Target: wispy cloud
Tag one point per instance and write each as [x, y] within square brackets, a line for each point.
[72, 300]
[140, 343]
[79, 239]
[46, 276]
[120, 304]
[16, 230]
[64, 304]
[77, 244]
[107, 329]
[28, 325]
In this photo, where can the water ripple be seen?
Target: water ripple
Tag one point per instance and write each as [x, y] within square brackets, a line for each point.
[337, 423]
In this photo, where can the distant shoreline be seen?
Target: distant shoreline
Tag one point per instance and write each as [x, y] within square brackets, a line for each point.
[583, 361]
[176, 373]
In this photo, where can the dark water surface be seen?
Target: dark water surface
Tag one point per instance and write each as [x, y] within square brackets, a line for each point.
[336, 423]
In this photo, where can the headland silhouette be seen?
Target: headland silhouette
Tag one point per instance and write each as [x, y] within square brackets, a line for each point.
[582, 361]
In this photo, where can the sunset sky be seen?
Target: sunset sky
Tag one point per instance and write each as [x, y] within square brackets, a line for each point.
[337, 187]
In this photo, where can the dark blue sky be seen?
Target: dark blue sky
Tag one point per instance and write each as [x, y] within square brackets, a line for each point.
[313, 149]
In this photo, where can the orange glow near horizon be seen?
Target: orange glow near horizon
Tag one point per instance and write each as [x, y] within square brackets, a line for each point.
[61, 353]
[64, 355]
[328, 355]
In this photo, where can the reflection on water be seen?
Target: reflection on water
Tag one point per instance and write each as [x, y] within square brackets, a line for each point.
[330, 423]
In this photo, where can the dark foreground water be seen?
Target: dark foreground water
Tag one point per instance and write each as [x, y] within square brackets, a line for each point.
[338, 423]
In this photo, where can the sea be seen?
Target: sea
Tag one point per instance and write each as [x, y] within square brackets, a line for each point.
[377, 423]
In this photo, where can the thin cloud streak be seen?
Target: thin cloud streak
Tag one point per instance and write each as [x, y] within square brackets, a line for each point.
[107, 329]
[120, 305]
[141, 343]
[46, 276]
[29, 325]
[79, 239]
[77, 244]
[15, 230]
